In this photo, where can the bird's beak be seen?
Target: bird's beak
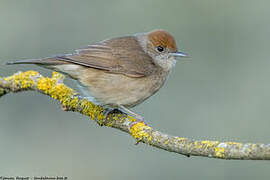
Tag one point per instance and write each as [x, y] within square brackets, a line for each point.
[179, 54]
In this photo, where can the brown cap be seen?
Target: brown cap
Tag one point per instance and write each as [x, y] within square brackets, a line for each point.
[162, 38]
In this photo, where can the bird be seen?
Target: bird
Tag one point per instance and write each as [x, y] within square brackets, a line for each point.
[119, 72]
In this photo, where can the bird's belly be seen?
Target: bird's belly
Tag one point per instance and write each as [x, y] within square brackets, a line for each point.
[117, 89]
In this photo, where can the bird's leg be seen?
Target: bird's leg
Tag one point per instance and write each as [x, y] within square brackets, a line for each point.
[107, 112]
[131, 113]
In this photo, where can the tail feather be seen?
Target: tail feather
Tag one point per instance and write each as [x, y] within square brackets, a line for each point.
[26, 61]
[46, 61]
[52, 64]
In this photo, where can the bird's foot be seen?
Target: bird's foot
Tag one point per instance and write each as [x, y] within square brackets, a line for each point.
[139, 119]
[106, 113]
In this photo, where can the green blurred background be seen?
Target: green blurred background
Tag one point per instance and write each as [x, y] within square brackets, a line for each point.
[222, 93]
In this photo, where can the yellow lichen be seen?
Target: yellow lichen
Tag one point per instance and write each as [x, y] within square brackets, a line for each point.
[85, 106]
[96, 112]
[92, 110]
[45, 85]
[180, 139]
[167, 141]
[2, 91]
[220, 152]
[138, 131]
[131, 119]
[58, 91]
[238, 145]
[56, 75]
[24, 80]
[195, 145]
[150, 138]
[209, 144]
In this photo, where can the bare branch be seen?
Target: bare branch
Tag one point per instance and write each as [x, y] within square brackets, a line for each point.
[71, 101]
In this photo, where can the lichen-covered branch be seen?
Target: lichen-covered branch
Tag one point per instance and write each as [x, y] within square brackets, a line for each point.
[71, 101]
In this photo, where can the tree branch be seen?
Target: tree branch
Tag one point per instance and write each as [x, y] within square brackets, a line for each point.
[71, 101]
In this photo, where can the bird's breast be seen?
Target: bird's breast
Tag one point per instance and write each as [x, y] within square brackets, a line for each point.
[118, 89]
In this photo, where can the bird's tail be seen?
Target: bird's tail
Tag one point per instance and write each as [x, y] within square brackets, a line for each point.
[26, 61]
[52, 64]
[41, 62]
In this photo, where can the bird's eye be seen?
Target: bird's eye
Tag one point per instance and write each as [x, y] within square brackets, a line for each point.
[160, 48]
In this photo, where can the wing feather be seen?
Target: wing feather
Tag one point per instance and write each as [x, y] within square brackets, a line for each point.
[118, 55]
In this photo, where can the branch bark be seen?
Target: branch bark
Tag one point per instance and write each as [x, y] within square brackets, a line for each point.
[72, 101]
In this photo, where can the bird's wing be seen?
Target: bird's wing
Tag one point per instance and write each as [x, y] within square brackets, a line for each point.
[118, 55]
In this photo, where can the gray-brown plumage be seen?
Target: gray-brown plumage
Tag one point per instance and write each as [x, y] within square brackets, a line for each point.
[120, 72]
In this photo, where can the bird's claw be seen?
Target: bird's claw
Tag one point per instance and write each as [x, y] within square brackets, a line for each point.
[139, 119]
[106, 113]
